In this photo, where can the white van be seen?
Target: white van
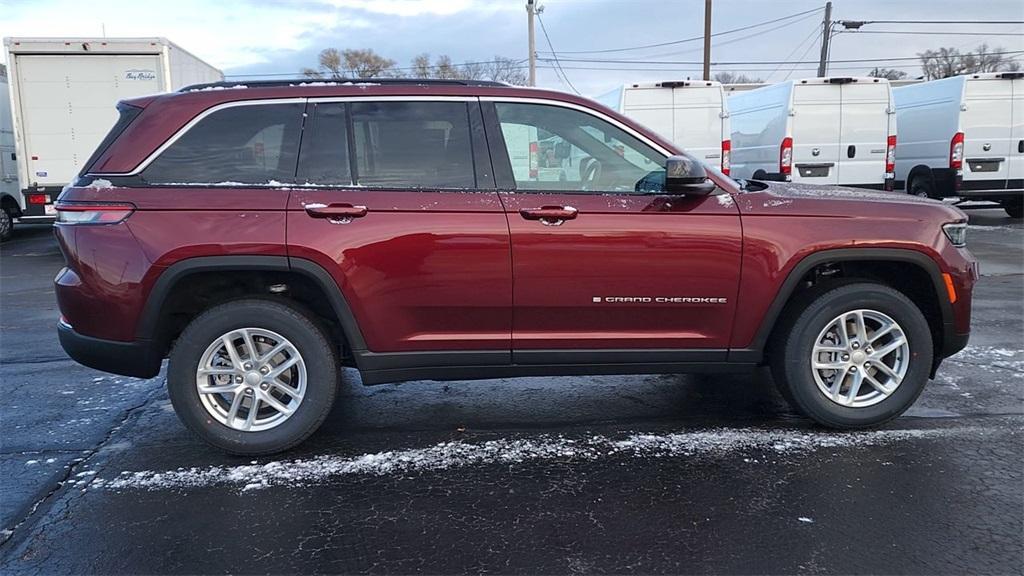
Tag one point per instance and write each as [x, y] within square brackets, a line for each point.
[10, 208]
[839, 131]
[963, 136]
[690, 113]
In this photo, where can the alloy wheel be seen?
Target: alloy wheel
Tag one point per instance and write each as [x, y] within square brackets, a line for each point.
[251, 379]
[860, 358]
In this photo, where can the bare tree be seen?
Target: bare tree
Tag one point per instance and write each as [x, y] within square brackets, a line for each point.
[350, 63]
[731, 78]
[887, 73]
[336, 64]
[946, 62]
[507, 70]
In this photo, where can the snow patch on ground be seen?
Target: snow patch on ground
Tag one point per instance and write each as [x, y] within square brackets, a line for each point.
[991, 356]
[457, 454]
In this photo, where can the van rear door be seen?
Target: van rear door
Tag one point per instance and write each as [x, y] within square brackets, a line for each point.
[816, 133]
[987, 134]
[864, 125]
[697, 122]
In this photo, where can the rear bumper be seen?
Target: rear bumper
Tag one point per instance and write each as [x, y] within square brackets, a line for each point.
[139, 359]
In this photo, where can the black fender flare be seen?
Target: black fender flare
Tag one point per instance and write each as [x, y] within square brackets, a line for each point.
[755, 352]
[149, 320]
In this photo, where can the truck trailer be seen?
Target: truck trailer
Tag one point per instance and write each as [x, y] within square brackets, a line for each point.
[63, 96]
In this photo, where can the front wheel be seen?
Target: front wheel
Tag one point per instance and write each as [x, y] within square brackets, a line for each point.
[858, 355]
[252, 376]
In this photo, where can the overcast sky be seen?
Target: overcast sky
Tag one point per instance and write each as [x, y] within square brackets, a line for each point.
[247, 37]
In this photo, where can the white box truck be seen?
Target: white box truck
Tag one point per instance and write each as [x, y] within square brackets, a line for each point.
[10, 208]
[64, 92]
[690, 113]
[963, 137]
[839, 131]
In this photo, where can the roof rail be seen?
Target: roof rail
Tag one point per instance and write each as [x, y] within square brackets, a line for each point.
[335, 82]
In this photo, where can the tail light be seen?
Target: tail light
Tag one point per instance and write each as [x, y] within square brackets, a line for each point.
[726, 156]
[534, 160]
[956, 151]
[786, 156]
[92, 213]
[890, 155]
[38, 198]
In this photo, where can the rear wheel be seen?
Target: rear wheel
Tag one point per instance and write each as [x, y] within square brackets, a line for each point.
[252, 377]
[920, 186]
[1014, 208]
[6, 225]
[857, 356]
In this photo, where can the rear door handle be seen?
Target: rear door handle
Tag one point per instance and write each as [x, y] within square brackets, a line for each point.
[550, 215]
[338, 213]
[1020, 146]
[851, 151]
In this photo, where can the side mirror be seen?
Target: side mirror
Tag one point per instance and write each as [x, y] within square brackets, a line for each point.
[685, 175]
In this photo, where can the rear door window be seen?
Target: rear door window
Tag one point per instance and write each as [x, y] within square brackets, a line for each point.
[325, 153]
[247, 144]
[413, 144]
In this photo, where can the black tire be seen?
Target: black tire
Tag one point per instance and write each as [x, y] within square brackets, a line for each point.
[6, 225]
[1014, 209]
[920, 186]
[790, 361]
[312, 343]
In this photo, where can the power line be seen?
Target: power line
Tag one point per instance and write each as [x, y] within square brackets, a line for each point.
[772, 62]
[730, 41]
[944, 22]
[803, 55]
[932, 33]
[693, 39]
[555, 54]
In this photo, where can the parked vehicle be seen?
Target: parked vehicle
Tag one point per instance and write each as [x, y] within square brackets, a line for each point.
[62, 92]
[402, 239]
[963, 136]
[817, 131]
[691, 114]
[9, 206]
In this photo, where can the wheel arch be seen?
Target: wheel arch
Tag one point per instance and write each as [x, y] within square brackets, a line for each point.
[863, 257]
[152, 325]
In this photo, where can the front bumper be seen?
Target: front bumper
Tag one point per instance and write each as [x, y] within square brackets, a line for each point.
[139, 359]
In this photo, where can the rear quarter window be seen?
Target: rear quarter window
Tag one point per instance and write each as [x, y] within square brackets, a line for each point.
[245, 144]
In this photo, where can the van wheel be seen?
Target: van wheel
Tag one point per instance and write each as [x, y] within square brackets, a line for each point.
[6, 225]
[252, 377]
[1014, 208]
[920, 186]
[856, 356]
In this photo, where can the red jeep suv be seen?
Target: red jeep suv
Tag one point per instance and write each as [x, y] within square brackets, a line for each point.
[263, 235]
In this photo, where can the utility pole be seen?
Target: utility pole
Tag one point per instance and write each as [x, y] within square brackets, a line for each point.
[531, 11]
[826, 38]
[707, 39]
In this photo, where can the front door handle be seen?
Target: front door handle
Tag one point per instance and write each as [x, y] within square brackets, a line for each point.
[1020, 146]
[336, 213]
[851, 151]
[550, 215]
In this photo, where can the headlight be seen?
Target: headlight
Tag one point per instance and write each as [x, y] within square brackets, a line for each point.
[956, 232]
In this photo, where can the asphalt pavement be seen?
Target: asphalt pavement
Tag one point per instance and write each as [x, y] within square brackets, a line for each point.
[616, 474]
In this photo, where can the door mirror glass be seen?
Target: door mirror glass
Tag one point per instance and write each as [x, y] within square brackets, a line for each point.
[686, 175]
